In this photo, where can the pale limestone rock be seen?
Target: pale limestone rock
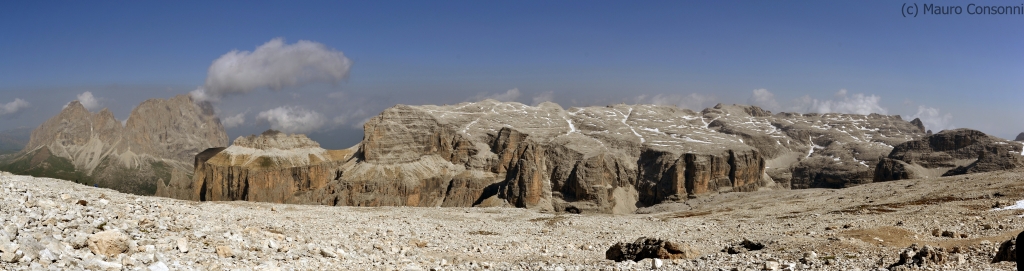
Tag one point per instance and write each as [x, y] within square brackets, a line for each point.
[224, 252]
[108, 243]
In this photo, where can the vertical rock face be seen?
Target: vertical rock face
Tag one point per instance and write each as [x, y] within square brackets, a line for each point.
[271, 167]
[591, 159]
[160, 136]
[950, 152]
[601, 159]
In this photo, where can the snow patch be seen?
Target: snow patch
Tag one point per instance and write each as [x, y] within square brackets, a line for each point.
[1017, 206]
[572, 128]
[465, 130]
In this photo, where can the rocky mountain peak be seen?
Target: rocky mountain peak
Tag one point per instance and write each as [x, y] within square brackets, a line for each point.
[1020, 137]
[159, 136]
[920, 125]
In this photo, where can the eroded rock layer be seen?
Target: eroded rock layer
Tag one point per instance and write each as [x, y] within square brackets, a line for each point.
[948, 153]
[271, 167]
[592, 159]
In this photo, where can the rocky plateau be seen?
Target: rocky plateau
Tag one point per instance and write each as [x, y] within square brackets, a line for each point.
[611, 159]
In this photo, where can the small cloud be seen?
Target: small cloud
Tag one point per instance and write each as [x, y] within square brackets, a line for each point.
[764, 98]
[509, 96]
[857, 103]
[350, 115]
[88, 101]
[336, 95]
[359, 124]
[693, 101]
[841, 93]
[274, 65]
[933, 119]
[13, 107]
[234, 121]
[292, 119]
[543, 97]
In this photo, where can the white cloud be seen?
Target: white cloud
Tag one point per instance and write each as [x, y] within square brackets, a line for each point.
[509, 96]
[292, 119]
[273, 65]
[234, 121]
[764, 98]
[336, 95]
[841, 93]
[693, 101]
[933, 119]
[543, 97]
[857, 103]
[88, 101]
[13, 107]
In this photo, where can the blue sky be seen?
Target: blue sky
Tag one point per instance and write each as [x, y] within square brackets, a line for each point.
[955, 70]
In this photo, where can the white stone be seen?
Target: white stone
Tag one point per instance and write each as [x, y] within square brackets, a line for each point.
[656, 263]
[183, 245]
[158, 266]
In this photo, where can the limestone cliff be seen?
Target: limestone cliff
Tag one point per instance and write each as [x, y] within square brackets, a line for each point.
[602, 159]
[159, 138]
[271, 167]
[950, 152]
[592, 159]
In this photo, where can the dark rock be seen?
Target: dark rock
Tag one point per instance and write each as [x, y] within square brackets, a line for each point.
[644, 248]
[915, 256]
[744, 246]
[892, 169]
[1008, 251]
[920, 125]
[1020, 252]
[960, 151]
[992, 158]
[1020, 137]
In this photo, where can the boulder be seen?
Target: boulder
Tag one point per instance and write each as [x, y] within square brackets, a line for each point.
[1008, 251]
[915, 256]
[650, 248]
[108, 243]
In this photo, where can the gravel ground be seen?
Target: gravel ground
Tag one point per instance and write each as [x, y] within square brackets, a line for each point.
[51, 224]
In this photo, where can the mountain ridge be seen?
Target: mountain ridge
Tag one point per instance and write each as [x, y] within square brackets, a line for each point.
[159, 136]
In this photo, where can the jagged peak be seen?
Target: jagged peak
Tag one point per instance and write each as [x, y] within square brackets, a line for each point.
[74, 105]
